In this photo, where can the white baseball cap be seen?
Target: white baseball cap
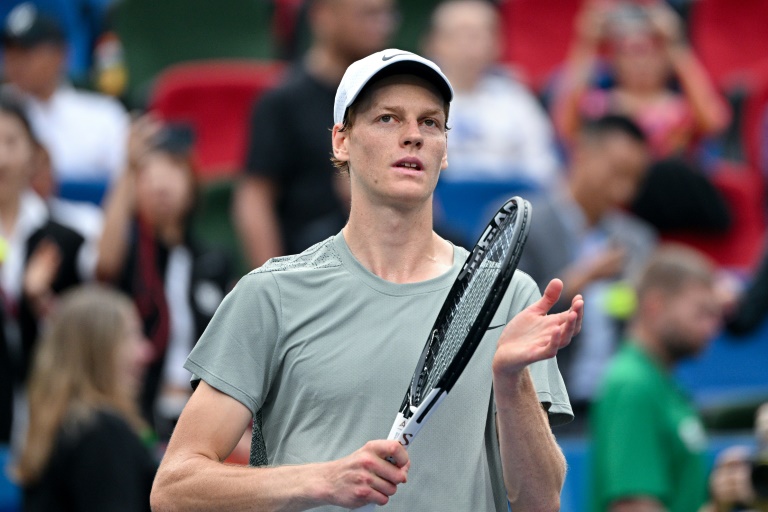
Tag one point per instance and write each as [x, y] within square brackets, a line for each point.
[394, 61]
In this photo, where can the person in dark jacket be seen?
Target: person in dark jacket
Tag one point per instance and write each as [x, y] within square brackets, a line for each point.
[38, 256]
[83, 449]
[148, 250]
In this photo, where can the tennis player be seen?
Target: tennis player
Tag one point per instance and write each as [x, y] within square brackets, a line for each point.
[324, 344]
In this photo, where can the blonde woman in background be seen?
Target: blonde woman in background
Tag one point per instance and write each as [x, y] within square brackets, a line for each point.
[84, 449]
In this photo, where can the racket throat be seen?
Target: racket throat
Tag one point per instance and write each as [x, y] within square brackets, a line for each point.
[408, 423]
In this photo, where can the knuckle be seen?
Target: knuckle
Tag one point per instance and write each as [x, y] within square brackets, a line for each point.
[362, 493]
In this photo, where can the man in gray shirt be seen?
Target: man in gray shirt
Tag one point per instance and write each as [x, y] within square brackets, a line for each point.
[324, 343]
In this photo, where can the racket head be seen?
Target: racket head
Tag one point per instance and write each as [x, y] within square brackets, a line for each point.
[472, 302]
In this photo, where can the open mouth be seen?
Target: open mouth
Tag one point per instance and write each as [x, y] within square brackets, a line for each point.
[409, 163]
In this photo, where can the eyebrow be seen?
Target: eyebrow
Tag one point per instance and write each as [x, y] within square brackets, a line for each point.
[399, 110]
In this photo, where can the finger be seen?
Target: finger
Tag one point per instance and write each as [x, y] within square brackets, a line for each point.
[549, 298]
[391, 451]
[569, 330]
[577, 305]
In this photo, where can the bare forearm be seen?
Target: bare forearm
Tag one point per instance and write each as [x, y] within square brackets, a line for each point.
[113, 243]
[571, 89]
[257, 221]
[199, 483]
[533, 464]
[710, 110]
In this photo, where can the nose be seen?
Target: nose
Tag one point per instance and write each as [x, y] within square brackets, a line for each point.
[412, 134]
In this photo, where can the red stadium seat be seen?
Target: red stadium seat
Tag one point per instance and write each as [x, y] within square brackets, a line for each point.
[537, 34]
[730, 37]
[754, 125]
[215, 97]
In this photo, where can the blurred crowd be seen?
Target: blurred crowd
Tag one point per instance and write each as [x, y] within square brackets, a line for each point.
[637, 154]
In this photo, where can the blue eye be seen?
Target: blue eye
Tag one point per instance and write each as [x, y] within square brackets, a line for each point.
[385, 118]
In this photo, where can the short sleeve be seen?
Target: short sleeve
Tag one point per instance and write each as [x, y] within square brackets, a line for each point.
[547, 380]
[236, 352]
[630, 448]
[267, 157]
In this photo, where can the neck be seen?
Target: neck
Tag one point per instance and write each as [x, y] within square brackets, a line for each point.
[396, 245]
[464, 79]
[592, 209]
[650, 343]
[171, 234]
[9, 213]
[44, 92]
[326, 65]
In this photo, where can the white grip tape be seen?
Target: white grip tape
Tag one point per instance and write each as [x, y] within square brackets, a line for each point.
[404, 430]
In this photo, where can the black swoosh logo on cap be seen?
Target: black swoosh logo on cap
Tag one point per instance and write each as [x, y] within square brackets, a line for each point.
[387, 57]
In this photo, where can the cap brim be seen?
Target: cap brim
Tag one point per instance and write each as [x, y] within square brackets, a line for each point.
[410, 67]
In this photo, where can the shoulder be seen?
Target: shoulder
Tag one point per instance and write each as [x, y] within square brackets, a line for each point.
[322, 255]
[627, 378]
[629, 226]
[64, 236]
[94, 102]
[103, 430]
[292, 85]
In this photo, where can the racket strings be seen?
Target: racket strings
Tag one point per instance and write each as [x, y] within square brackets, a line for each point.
[446, 341]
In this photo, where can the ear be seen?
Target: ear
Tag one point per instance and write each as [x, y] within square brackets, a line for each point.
[654, 303]
[339, 141]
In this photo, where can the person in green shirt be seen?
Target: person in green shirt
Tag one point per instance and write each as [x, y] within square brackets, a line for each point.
[648, 441]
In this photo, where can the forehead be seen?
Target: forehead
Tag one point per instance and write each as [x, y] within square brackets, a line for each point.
[398, 90]
[467, 14]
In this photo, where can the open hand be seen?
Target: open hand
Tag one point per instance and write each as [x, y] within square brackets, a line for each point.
[534, 335]
[41, 270]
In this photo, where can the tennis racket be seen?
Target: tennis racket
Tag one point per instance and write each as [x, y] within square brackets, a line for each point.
[463, 319]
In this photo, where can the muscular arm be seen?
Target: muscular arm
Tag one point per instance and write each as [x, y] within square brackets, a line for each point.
[533, 464]
[257, 220]
[192, 476]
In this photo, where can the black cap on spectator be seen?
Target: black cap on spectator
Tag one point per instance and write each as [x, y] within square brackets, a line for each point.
[174, 138]
[26, 27]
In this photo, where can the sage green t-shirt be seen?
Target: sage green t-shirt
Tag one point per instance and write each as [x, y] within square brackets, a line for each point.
[647, 439]
[326, 349]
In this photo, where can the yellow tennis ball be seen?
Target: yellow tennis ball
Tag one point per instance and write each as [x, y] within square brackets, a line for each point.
[620, 300]
[3, 249]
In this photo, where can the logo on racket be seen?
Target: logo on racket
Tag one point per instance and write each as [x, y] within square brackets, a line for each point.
[487, 237]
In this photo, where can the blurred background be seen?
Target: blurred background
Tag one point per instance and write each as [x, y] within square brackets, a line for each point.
[168, 147]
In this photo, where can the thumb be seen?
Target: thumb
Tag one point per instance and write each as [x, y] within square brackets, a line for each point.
[549, 298]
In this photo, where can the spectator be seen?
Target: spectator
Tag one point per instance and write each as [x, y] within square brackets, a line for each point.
[83, 217]
[646, 47]
[83, 449]
[499, 131]
[751, 308]
[648, 440]
[580, 232]
[148, 250]
[290, 196]
[730, 483]
[38, 256]
[84, 132]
